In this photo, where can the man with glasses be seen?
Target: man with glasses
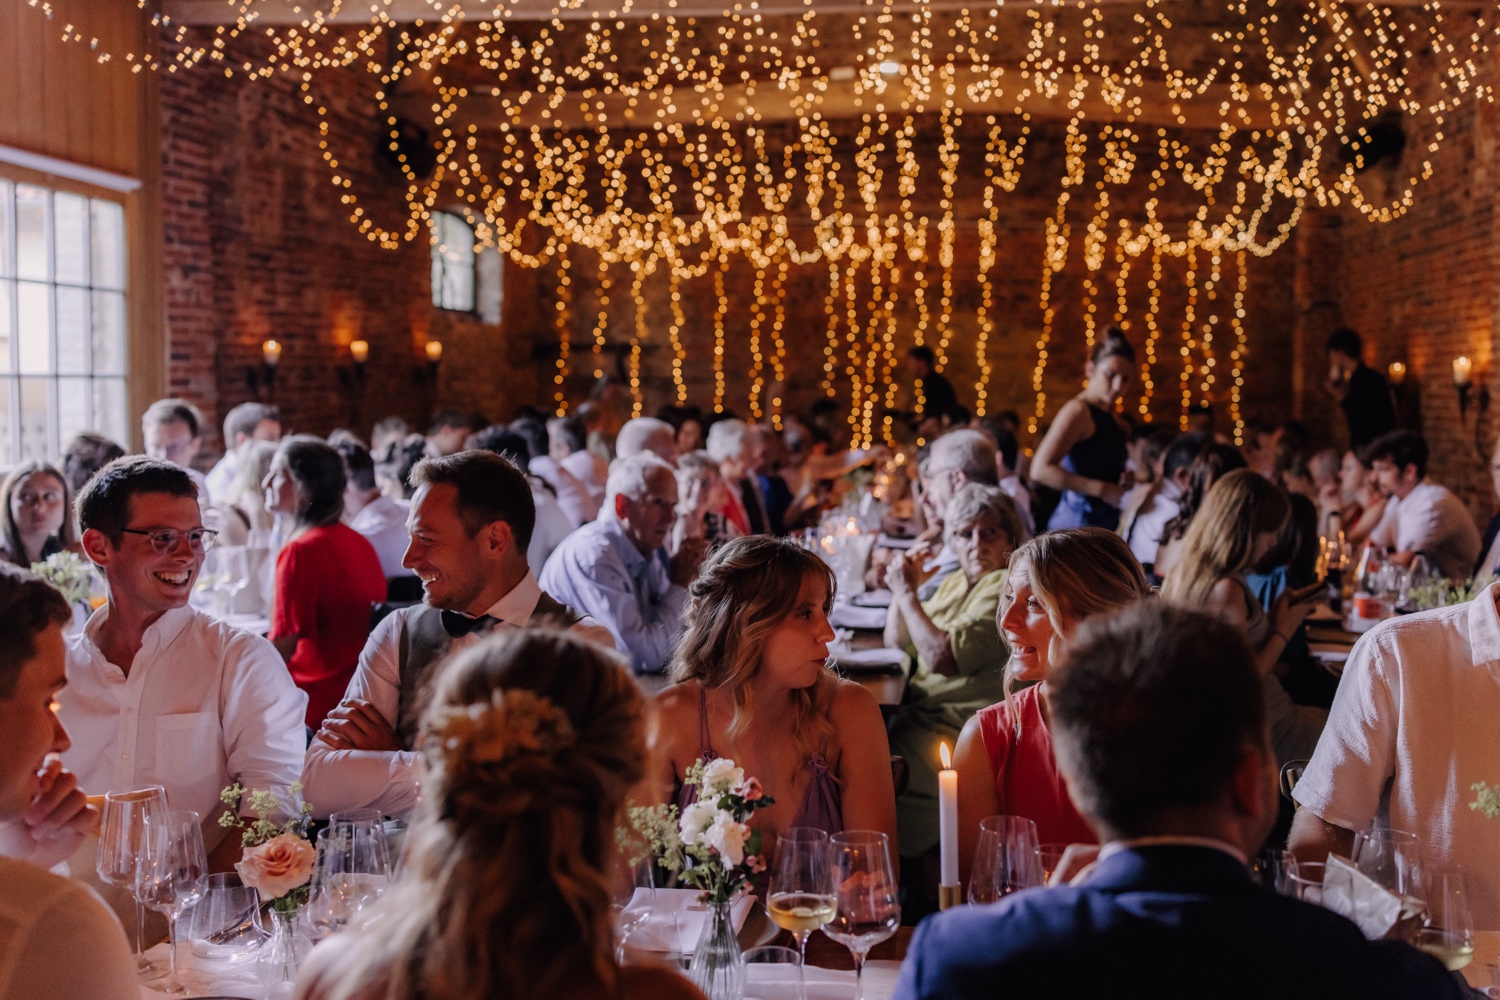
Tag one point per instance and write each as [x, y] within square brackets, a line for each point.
[172, 430]
[617, 571]
[159, 693]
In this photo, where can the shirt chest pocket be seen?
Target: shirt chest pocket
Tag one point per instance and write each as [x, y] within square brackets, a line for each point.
[189, 759]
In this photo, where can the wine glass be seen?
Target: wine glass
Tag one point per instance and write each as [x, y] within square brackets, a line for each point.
[234, 575]
[1390, 857]
[1448, 929]
[1006, 859]
[867, 910]
[175, 876]
[367, 827]
[801, 897]
[351, 871]
[122, 850]
[223, 924]
[632, 900]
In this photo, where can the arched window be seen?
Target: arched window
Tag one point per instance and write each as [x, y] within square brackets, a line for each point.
[452, 262]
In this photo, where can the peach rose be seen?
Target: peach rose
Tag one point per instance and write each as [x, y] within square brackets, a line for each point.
[278, 866]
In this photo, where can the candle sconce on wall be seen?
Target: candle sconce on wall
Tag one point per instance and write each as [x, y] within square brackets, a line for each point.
[265, 375]
[433, 350]
[354, 375]
[1463, 380]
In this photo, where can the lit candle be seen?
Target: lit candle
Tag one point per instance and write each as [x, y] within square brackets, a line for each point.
[434, 351]
[1462, 369]
[948, 894]
[359, 350]
[1397, 372]
[270, 353]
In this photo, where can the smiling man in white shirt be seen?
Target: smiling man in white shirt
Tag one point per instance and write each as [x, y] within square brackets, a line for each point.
[471, 521]
[1421, 517]
[159, 693]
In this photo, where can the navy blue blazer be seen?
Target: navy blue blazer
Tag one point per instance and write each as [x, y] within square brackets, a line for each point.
[1165, 923]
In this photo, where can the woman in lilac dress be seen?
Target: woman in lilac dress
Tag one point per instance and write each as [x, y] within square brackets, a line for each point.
[1084, 453]
[752, 685]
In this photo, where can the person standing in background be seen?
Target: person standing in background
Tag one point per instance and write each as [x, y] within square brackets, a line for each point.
[1361, 391]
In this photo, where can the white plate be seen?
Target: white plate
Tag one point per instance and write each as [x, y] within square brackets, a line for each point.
[851, 616]
[872, 599]
[867, 658]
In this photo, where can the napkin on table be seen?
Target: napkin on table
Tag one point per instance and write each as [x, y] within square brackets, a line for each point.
[676, 920]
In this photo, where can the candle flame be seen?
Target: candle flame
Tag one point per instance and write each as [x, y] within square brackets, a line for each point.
[947, 757]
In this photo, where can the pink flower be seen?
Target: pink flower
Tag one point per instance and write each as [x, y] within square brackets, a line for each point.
[755, 863]
[751, 790]
[278, 866]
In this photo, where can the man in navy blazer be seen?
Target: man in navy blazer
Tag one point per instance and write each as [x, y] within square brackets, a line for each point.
[1160, 733]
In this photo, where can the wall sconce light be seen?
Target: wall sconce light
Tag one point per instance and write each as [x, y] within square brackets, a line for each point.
[1396, 372]
[270, 359]
[359, 353]
[1463, 375]
[434, 351]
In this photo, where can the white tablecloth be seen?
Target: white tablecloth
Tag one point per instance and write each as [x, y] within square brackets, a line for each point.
[221, 979]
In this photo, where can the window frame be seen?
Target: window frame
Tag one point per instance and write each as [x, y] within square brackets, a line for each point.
[441, 261]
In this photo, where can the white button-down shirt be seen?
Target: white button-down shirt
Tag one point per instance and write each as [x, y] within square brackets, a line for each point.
[1417, 709]
[383, 523]
[335, 780]
[1431, 520]
[598, 570]
[204, 706]
[1143, 525]
[573, 497]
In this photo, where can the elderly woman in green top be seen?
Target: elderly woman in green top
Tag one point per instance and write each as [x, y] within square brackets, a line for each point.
[953, 637]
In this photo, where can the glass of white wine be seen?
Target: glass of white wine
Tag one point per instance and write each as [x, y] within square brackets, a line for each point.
[868, 909]
[1447, 932]
[801, 897]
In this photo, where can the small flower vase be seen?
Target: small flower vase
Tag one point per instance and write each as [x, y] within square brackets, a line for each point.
[718, 968]
[281, 955]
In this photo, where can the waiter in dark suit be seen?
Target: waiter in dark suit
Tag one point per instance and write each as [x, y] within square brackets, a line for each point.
[1362, 392]
[1171, 764]
[936, 396]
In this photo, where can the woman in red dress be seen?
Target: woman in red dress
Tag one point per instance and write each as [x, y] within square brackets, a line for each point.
[328, 576]
[1004, 760]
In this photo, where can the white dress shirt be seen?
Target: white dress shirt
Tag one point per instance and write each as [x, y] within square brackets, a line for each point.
[598, 570]
[1142, 531]
[1014, 488]
[335, 780]
[590, 470]
[1411, 729]
[1434, 522]
[221, 476]
[383, 523]
[205, 705]
[552, 526]
[573, 497]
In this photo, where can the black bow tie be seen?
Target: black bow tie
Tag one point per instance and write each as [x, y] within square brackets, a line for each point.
[456, 624]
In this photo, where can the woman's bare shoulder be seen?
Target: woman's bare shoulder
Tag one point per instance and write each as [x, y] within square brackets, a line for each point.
[651, 982]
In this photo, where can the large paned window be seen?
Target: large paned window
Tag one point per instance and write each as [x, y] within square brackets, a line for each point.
[452, 262]
[62, 320]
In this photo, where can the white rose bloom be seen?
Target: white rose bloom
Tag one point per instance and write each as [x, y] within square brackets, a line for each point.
[695, 819]
[728, 838]
[722, 775]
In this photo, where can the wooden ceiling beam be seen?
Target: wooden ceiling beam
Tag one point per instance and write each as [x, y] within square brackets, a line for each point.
[1151, 105]
[355, 12]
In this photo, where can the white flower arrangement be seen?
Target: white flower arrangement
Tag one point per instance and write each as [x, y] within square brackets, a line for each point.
[710, 845]
[68, 572]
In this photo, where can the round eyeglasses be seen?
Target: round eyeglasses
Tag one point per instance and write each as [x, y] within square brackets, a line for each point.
[164, 540]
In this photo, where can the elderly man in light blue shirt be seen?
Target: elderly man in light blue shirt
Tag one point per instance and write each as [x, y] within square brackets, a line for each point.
[617, 571]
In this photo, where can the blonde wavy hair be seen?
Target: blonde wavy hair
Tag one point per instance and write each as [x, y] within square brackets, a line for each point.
[1075, 573]
[1220, 542]
[744, 591]
[530, 744]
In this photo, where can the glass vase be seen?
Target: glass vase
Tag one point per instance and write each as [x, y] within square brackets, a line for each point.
[718, 968]
[281, 955]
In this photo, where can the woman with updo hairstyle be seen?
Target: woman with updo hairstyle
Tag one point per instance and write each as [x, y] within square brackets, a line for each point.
[328, 576]
[1004, 758]
[752, 685]
[1084, 452]
[528, 748]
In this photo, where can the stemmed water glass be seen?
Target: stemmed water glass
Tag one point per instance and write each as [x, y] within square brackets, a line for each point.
[223, 924]
[122, 851]
[1006, 859]
[1391, 858]
[801, 897]
[867, 910]
[176, 873]
[351, 872]
[632, 900]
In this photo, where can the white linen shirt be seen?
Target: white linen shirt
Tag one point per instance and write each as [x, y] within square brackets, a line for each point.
[1417, 708]
[205, 705]
[383, 523]
[335, 780]
[1143, 527]
[221, 476]
[1431, 520]
[573, 498]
